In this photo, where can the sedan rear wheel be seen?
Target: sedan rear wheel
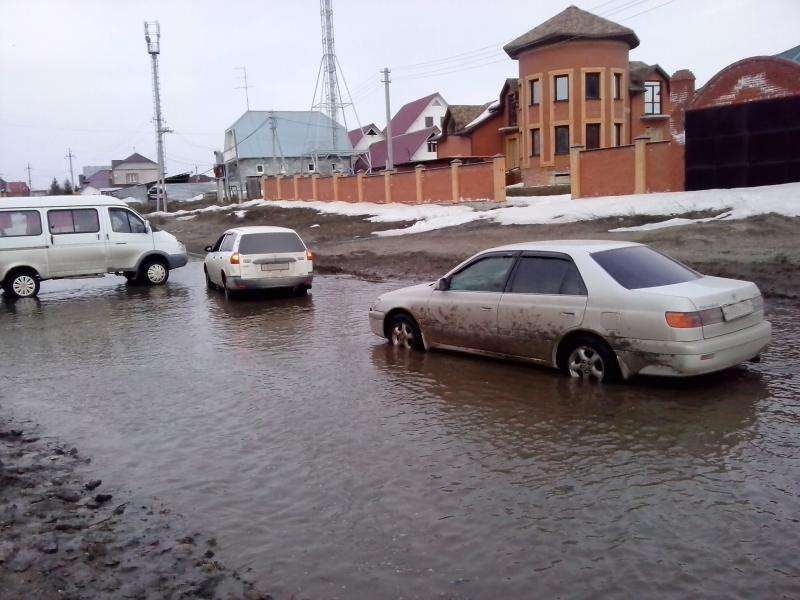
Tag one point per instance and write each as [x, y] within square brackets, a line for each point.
[591, 360]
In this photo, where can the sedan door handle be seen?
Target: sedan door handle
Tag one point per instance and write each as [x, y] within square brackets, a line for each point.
[487, 307]
[120, 243]
[567, 314]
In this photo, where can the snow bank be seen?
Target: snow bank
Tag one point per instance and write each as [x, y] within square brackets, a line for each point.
[738, 203]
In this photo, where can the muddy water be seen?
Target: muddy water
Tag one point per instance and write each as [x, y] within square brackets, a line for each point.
[334, 467]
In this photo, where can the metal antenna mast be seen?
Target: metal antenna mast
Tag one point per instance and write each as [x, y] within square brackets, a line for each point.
[152, 35]
[70, 156]
[30, 184]
[245, 87]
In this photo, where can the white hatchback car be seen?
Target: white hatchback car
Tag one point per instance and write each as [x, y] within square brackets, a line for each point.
[595, 309]
[250, 258]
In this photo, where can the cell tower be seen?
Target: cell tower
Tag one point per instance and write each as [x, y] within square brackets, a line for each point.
[330, 99]
[152, 35]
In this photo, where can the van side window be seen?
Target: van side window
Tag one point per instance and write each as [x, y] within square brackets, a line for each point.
[79, 220]
[17, 223]
[228, 242]
[124, 221]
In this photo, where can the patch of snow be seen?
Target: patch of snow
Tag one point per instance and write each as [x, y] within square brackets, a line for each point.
[487, 112]
[515, 185]
[186, 218]
[314, 225]
[132, 200]
[240, 213]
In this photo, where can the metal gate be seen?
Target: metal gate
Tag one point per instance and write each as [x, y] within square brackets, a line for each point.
[742, 145]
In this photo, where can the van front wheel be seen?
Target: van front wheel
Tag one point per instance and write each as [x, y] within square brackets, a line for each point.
[154, 272]
[22, 284]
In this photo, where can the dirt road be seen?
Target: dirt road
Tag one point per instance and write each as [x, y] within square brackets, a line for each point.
[763, 249]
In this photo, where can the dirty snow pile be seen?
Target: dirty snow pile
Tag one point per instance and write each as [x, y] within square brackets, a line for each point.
[738, 203]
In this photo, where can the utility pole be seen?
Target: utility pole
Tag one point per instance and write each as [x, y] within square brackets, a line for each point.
[152, 35]
[30, 185]
[69, 156]
[389, 149]
[244, 87]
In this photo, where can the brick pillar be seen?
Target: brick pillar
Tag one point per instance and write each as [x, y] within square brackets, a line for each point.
[575, 170]
[387, 185]
[296, 187]
[419, 173]
[264, 188]
[455, 180]
[315, 186]
[360, 187]
[335, 184]
[499, 173]
[278, 179]
[640, 168]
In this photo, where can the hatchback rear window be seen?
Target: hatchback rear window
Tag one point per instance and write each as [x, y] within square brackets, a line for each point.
[270, 243]
[637, 267]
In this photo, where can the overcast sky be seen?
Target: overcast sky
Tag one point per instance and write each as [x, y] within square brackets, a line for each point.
[75, 74]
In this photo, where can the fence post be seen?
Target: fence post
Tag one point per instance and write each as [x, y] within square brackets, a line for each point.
[499, 173]
[360, 186]
[296, 187]
[387, 186]
[315, 186]
[419, 173]
[575, 170]
[640, 164]
[455, 180]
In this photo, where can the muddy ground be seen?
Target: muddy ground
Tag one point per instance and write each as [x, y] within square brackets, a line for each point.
[764, 249]
[63, 536]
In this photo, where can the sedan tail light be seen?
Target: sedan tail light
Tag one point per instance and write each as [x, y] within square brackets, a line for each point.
[309, 255]
[235, 258]
[684, 320]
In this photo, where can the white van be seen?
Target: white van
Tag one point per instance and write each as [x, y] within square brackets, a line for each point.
[259, 257]
[55, 237]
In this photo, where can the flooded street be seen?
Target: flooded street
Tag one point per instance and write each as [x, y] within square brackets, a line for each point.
[334, 466]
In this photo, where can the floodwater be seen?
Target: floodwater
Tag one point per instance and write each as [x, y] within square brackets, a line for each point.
[335, 467]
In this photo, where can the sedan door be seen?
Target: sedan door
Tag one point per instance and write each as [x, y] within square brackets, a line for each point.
[545, 297]
[465, 315]
[127, 239]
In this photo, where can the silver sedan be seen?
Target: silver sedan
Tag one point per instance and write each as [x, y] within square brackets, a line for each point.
[598, 310]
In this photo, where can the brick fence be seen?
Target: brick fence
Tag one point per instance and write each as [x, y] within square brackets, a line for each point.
[641, 168]
[483, 181]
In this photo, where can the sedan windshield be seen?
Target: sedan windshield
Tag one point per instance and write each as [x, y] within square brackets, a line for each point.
[637, 267]
[270, 243]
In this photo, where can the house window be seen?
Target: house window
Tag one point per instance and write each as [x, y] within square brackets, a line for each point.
[593, 86]
[259, 169]
[652, 97]
[428, 121]
[536, 142]
[432, 146]
[511, 108]
[536, 92]
[131, 178]
[592, 136]
[333, 167]
[617, 86]
[562, 139]
[618, 134]
[372, 132]
[561, 88]
[310, 167]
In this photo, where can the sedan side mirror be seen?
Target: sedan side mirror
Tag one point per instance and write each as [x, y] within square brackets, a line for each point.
[209, 248]
[443, 284]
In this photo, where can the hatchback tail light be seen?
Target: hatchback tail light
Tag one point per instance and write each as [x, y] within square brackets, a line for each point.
[309, 255]
[235, 258]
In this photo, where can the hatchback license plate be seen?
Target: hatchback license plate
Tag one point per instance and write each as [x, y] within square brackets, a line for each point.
[275, 267]
[734, 311]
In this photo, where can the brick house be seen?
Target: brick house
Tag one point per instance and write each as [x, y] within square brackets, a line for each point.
[133, 170]
[577, 87]
[471, 130]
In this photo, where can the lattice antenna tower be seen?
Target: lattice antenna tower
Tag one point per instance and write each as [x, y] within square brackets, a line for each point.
[152, 35]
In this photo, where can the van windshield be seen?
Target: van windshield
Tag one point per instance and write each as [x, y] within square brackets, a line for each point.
[270, 243]
[637, 267]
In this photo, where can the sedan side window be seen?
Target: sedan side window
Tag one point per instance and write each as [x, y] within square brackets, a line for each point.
[217, 244]
[486, 275]
[542, 275]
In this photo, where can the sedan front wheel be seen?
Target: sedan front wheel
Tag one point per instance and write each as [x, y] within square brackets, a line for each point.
[405, 333]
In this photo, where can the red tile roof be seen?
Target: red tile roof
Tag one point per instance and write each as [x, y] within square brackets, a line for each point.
[408, 113]
[355, 135]
[404, 146]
